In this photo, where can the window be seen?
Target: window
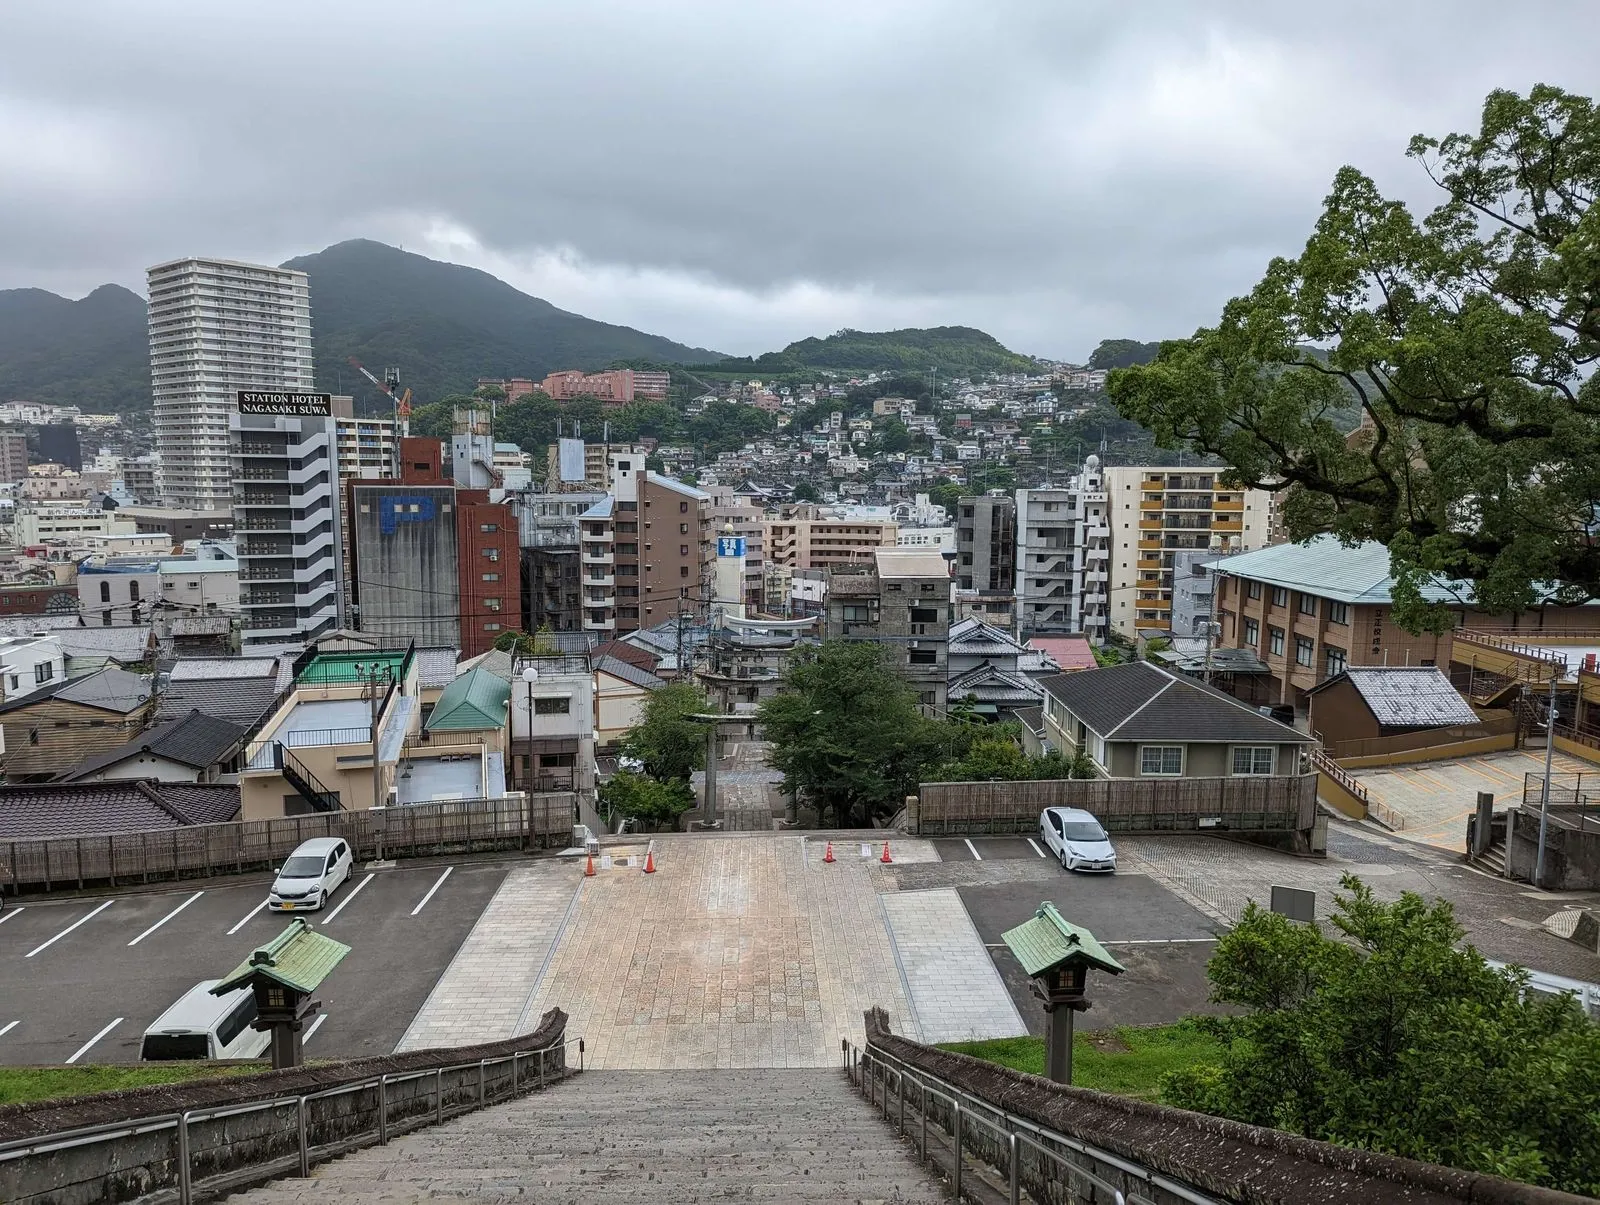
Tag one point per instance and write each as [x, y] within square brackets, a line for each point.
[33, 736]
[924, 657]
[683, 550]
[1164, 760]
[1308, 604]
[487, 528]
[1333, 660]
[1253, 590]
[1338, 613]
[1252, 759]
[15, 682]
[683, 571]
[627, 549]
[1304, 650]
[491, 604]
[683, 529]
[105, 591]
[1252, 633]
[491, 577]
[491, 554]
[43, 672]
[1275, 641]
[236, 1021]
[1280, 596]
[683, 508]
[105, 619]
[559, 706]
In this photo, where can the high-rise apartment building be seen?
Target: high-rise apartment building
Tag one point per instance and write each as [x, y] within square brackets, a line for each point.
[286, 515]
[218, 327]
[647, 554]
[13, 457]
[1063, 557]
[803, 537]
[1163, 519]
[900, 599]
[986, 558]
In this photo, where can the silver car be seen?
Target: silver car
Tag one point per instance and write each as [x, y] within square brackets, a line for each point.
[1075, 837]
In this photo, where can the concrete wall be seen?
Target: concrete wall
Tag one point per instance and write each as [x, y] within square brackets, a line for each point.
[1571, 855]
[406, 563]
[246, 1148]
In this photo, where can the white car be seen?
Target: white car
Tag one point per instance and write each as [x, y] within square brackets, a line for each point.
[310, 874]
[1076, 837]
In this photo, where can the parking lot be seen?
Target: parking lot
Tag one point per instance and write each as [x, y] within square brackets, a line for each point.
[1162, 940]
[81, 978]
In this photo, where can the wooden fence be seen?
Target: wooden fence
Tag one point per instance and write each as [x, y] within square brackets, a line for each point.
[518, 821]
[1146, 805]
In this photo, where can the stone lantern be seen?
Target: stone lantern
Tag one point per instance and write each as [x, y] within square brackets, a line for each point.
[1058, 955]
[282, 974]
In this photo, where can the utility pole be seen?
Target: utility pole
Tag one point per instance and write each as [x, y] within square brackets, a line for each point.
[370, 676]
[1544, 793]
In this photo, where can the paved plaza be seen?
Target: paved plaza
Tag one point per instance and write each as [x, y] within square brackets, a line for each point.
[1434, 799]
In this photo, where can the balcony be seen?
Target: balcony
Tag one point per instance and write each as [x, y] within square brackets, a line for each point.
[1228, 525]
[1235, 505]
[1143, 624]
[1149, 524]
[1149, 545]
[1149, 562]
[1150, 603]
[1152, 504]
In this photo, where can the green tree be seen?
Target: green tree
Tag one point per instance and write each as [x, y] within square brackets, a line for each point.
[1394, 1038]
[847, 732]
[946, 495]
[893, 436]
[1467, 340]
[1121, 353]
[804, 492]
[664, 741]
[646, 799]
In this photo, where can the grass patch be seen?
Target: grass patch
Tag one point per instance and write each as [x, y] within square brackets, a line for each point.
[20, 1085]
[1129, 1060]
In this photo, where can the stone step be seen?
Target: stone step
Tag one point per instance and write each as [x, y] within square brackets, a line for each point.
[620, 1137]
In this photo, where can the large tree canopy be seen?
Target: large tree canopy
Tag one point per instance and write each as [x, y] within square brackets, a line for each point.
[1467, 339]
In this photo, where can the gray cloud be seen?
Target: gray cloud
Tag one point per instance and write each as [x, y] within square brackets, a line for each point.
[736, 174]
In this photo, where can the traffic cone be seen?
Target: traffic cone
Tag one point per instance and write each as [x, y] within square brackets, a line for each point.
[588, 871]
[886, 857]
[827, 855]
[649, 861]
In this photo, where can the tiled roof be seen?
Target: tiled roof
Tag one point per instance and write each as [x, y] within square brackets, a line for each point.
[110, 689]
[991, 684]
[1031, 718]
[477, 700]
[202, 684]
[1138, 702]
[195, 669]
[974, 638]
[496, 661]
[628, 672]
[436, 667]
[1068, 652]
[124, 644]
[1407, 696]
[623, 651]
[83, 809]
[196, 739]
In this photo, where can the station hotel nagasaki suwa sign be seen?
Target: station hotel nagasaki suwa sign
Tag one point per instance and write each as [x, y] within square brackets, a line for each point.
[299, 405]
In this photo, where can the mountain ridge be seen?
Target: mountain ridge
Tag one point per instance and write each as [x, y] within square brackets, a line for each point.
[443, 324]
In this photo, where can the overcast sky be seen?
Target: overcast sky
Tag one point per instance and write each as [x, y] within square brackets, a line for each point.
[740, 173]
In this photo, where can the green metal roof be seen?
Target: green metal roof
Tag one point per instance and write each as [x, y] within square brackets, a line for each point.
[1049, 940]
[1357, 574]
[477, 700]
[339, 669]
[297, 958]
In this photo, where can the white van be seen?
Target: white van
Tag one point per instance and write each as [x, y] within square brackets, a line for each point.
[203, 1026]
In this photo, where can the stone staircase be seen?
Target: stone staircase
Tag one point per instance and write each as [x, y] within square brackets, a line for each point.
[663, 1137]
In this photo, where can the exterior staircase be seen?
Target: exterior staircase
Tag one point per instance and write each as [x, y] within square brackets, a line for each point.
[1492, 859]
[664, 1137]
[299, 776]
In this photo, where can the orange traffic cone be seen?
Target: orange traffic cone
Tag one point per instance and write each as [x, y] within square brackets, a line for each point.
[649, 861]
[886, 857]
[827, 855]
[588, 871]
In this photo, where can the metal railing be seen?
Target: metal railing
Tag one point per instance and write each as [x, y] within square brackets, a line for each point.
[524, 1079]
[879, 1077]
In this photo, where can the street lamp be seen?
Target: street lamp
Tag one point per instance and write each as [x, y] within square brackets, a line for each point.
[530, 675]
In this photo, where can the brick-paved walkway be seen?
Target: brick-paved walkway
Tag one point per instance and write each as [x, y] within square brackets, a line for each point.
[956, 992]
[484, 993]
[1435, 798]
[741, 951]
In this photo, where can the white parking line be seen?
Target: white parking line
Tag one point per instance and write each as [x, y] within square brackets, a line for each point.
[1036, 848]
[166, 918]
[5, 916]
[438, 883]
[70, 928]
[84, 1049]
[5, 1029]
[315, 1025]
[247, 917]
[976, 856]
[344, 903]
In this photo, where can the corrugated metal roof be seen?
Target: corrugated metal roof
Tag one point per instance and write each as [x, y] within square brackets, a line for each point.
[1409, 696]
[297, 958]
[475, 701]
[196, 669]
[1049, 939]
[1325, 567]
[910, 562]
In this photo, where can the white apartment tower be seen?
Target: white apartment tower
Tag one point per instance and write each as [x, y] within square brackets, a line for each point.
[1063, 557]
[217, 327]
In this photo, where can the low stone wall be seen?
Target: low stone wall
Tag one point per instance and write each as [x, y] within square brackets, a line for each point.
[1571, 854]
[1228, 1160]
[241, 1148]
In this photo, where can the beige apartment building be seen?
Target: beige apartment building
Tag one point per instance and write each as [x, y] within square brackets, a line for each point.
[802, 538]
[1163, 520]
[646, 554]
